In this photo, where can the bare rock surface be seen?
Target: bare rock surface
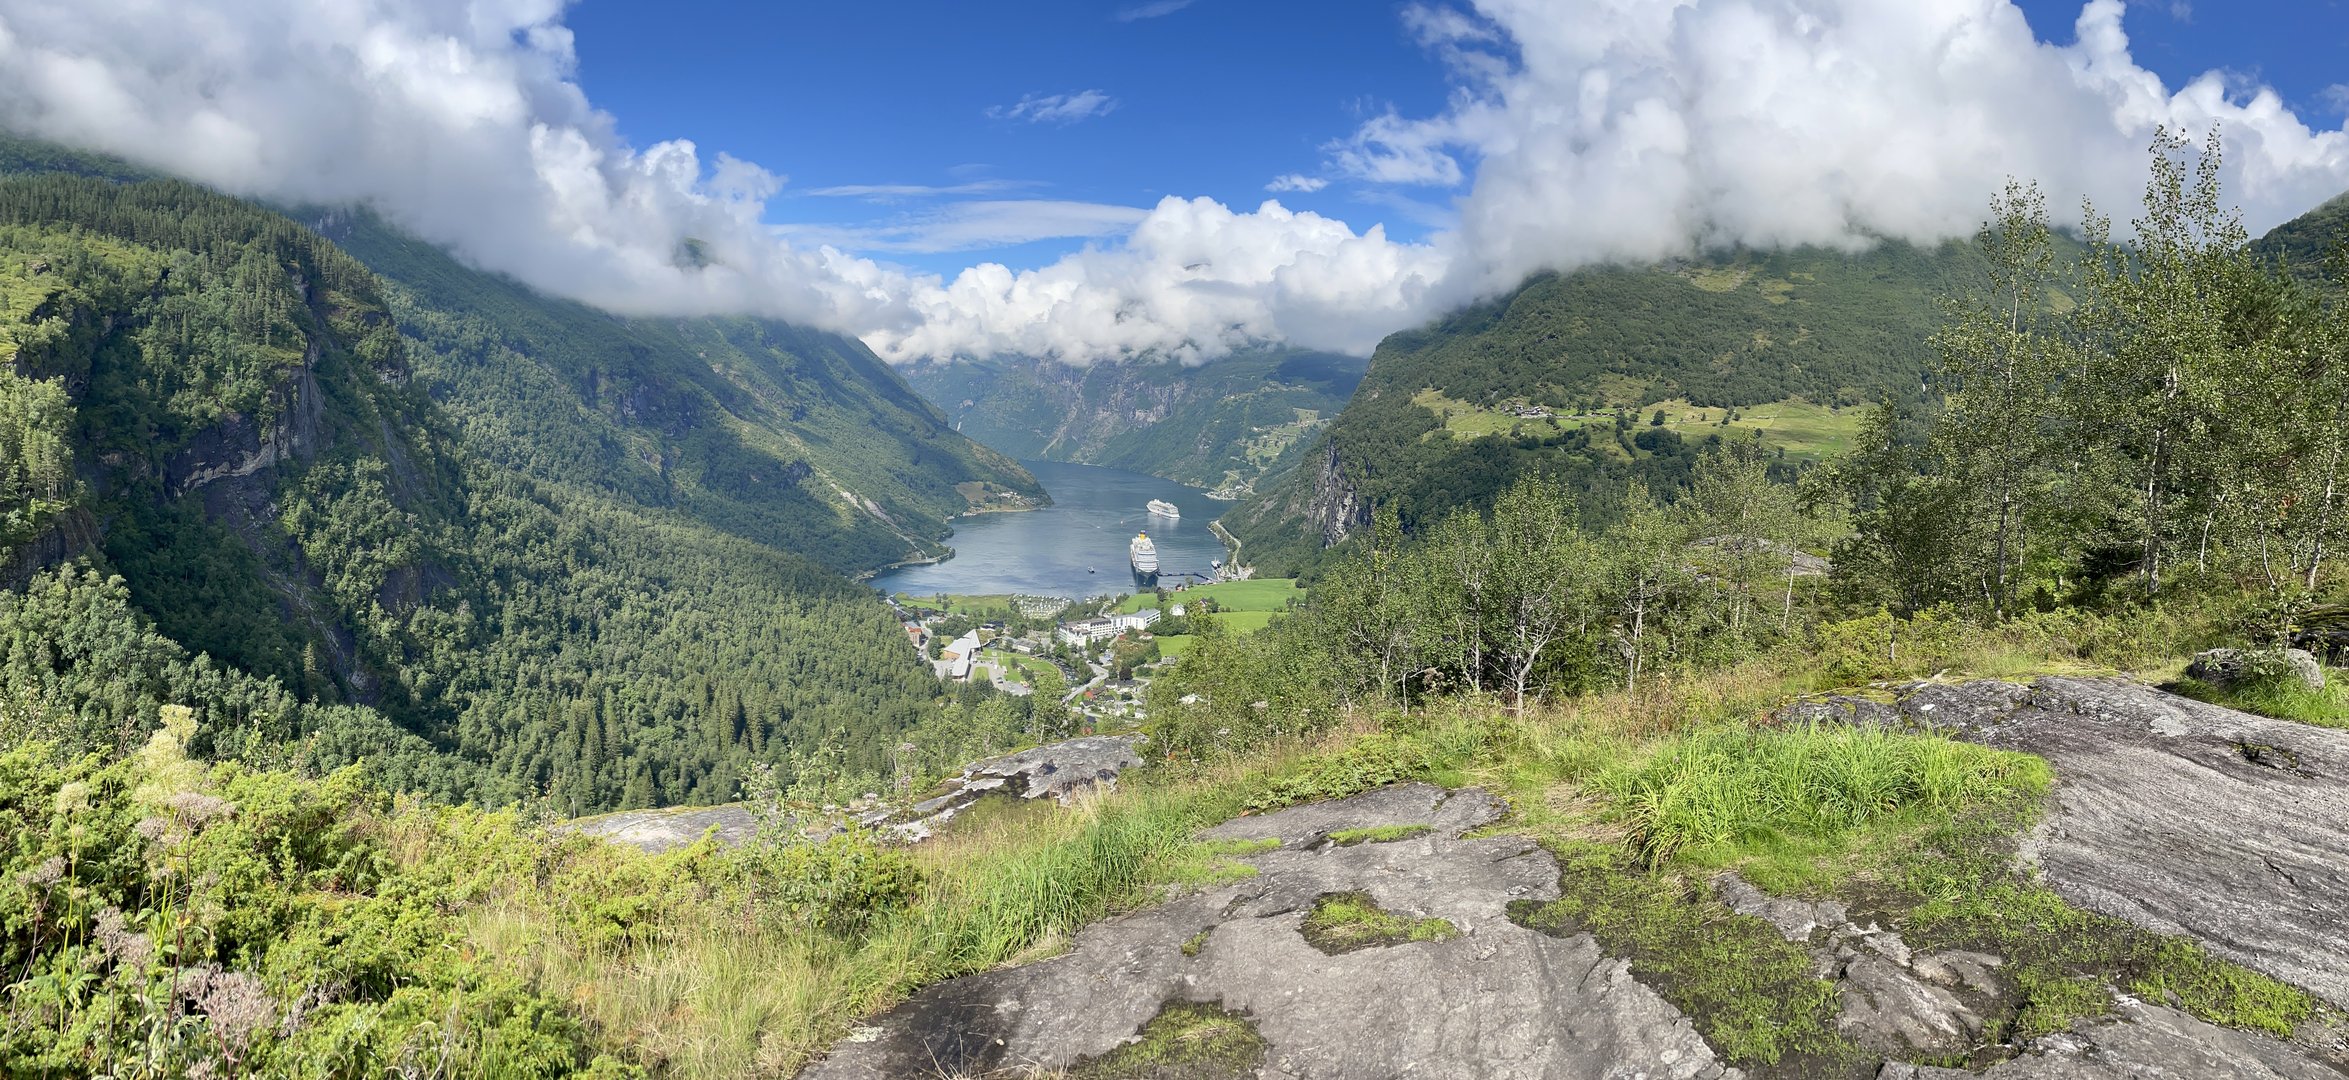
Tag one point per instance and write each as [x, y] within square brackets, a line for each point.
[1058, 770]
[2182, 817]
[2141, 1042]
[1895, 1001]
[662, 830]
[1497, 1000]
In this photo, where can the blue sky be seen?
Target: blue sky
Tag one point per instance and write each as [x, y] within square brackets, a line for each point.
[1212, 98]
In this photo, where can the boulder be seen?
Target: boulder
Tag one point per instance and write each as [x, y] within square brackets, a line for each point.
[2234, 667]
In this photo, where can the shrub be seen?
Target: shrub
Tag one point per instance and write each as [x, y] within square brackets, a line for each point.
[838, 884]
[1885, 646]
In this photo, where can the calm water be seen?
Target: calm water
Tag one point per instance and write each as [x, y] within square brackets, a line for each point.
[1047, 552]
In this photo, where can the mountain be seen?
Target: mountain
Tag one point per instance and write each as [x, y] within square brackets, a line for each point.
[1223, 424]
[787, 436]
[494, 544]
[1610, 374]
[2305, 242]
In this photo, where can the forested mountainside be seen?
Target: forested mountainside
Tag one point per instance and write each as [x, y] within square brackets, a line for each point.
[1222, 424]
[787, 436]
[483, 546]
[1613, 374]
[2305, 242]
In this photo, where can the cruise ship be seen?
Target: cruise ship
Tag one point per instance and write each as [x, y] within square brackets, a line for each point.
[1163, 508]
[1144, 555]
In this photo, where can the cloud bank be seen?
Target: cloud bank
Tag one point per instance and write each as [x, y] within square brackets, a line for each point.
[1579, 131]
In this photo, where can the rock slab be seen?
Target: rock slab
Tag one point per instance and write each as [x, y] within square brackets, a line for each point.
[1498, 1000]
[2140, 1042]
[1058, 770]
[2182, 817]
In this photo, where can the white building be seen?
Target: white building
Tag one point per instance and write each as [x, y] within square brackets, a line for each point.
[959, 654]
[1137, 620]
[1087, 631]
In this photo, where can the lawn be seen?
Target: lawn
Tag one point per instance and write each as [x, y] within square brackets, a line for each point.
[1254, 595]
[1008, 663]
[1807, 431]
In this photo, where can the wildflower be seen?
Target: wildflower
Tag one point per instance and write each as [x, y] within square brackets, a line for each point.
[126, 947]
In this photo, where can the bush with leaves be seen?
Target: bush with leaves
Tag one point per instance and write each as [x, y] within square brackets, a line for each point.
[163, 918]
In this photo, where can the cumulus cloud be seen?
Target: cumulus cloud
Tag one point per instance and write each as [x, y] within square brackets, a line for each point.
[458, 119]
[1195, 279]
[1577, 131]
[1602, 130]
[1296, 182]
[1056, 108]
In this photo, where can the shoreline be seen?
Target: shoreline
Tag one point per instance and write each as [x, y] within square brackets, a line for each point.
[863, 577]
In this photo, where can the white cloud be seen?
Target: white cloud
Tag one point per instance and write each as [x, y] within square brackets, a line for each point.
[977, 225]
[1194, 279]
[458, 119]
[1056, 108]
[1637, 129]
[1296, 182]
[1154, 9]
[1578, 131]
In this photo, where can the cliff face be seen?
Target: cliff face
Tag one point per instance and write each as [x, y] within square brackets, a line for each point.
[1222, 425]
[205, 381]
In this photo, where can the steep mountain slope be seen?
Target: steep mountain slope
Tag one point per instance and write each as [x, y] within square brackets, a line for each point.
[1571, 374]
[2305, 242]
[779, 434]
[534, 553]
[1223, 424]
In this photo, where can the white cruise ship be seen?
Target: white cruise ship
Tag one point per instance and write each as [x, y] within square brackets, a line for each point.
[1163, 508]
[1144, 555]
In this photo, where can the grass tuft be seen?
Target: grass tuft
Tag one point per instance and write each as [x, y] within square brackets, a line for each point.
[1378, 834]
[1347, 921]
[1187, 1040]
[1782, 801]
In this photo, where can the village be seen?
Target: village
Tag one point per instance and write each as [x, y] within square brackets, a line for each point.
[1100, 654]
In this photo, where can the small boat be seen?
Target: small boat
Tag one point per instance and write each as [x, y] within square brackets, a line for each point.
[1092, 569]
[1163, 508]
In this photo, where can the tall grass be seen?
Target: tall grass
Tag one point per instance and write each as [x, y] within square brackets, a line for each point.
[2282, 699]
[1708, 794]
